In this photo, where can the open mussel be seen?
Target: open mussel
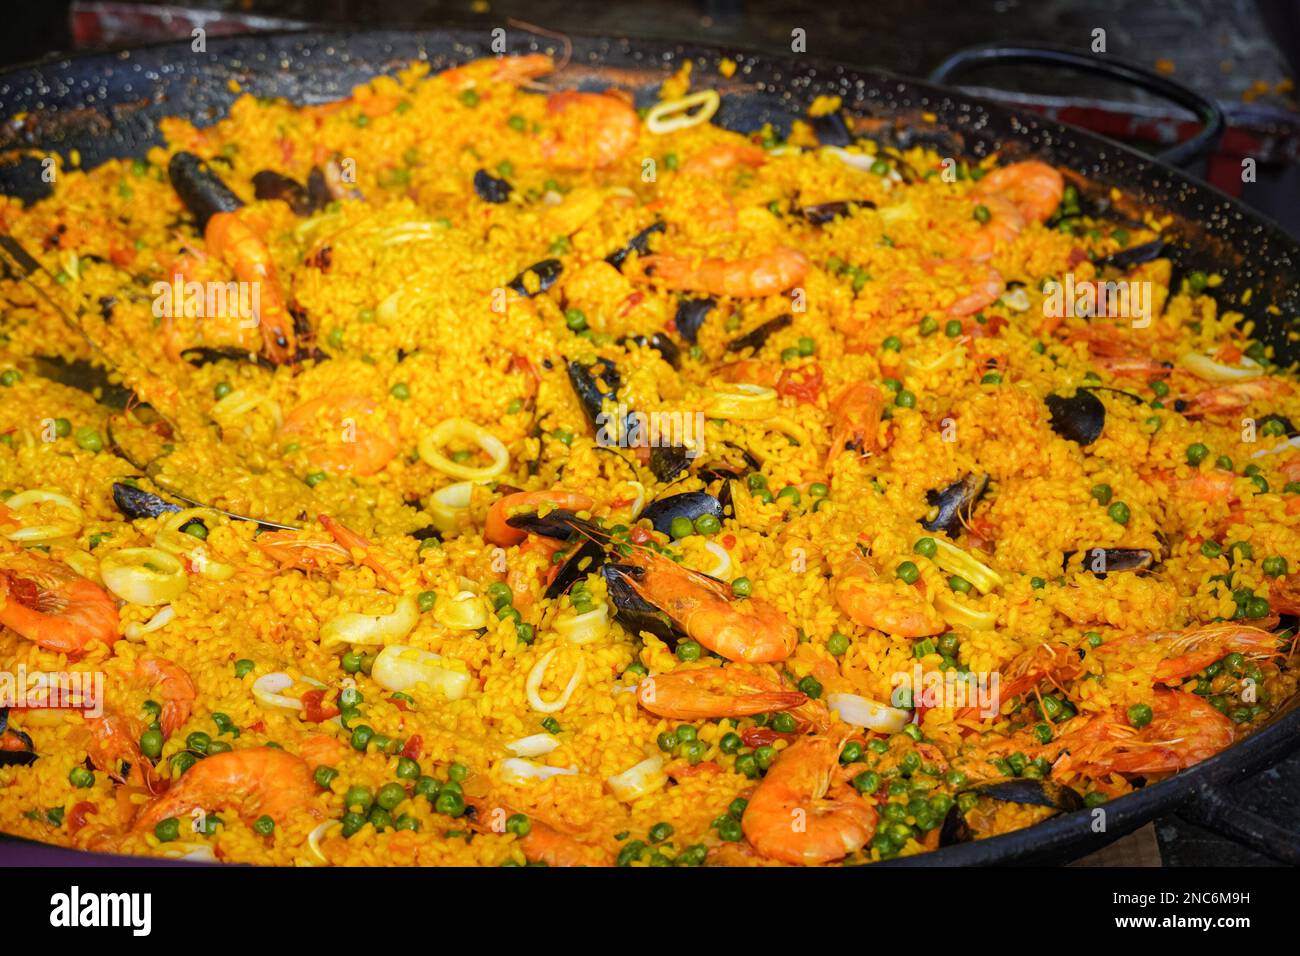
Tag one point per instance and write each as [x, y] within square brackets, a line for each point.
[660, 342]
[16, 748]
[631, 610]
[757, 337]
[202, 191]
[951, 506]
[85, 377]
[691, 314]
[269, 184]
[688, 504]
[640, 244]
[588, 556]
[587, 381]
[1283, 423]
[1078, 418]
[822, 213]
[1103, 561]
[138, 503]
[1022, 790]
[669, 461]
[547, 271]
[1126, 259]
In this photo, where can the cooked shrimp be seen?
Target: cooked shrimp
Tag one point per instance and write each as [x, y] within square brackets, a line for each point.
[543, 843]
[714, 692]
[113, 746]
[1225, 399]
[747, 629]
[889, 606]
[498, 532]
[1054, 663]
[258, 781]
[856, 412]
[294, 550]
[593, 130]
[1184, 730]
[174, 686]
[51, 606]
[359, 549]
[516, 70]
[984, 283]
[234, 242]
[1198, 647]
[803, 812]
[358, 436]
[755, 277]
[715, 160]
[1035, 189]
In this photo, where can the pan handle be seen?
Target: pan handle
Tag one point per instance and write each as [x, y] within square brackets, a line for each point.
[1192, 150]
[1211, 809]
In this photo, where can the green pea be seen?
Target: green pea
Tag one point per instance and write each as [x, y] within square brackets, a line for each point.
[837, 644]
[908, 572]
[991, 378]
[851, 753]
[1274, 566]
[324, 776]
[905, 399]
[818, 490]
[199, 742]
[688, 651]
[314, 478]
[892, 344]
[807, 346]
[219, 747]
[1102, 493]
[681, 527]
[952, 328]
[790, 492]
[390, 795]
[1211, 549]
[707, 524]
[407, 769]
[926, 547]
[427, 787]
[88, 438]
[400, 391]
[10, 377]
[1196, 453]
[81, 778]
[810, 686]
[1118, 512]
[1139, 715]
[747, 765]
[167, 830]
[575, 319]
[730, 743]
[151, 744]
[982, 214]
[667, 741]
[450, 803]
[457, 772]
[264, 825]
[361, 736]
[729, 830]
[742, 587]
[784, 723]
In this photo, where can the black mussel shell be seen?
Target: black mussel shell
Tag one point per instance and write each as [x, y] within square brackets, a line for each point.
[691, 314]
[822, 213]
[268, 184]
[1079, 418]
[557, 523]
[85, 377]
[491, 188]
[15, 758]
[831, 129]
[661, 343]
[689, 504]
[548, 270]
[424, 534]
[634, 612]
[667, 462]
[755, 338]
[585, 379]
[1037, 793]
[318, 190]
[136, 503]
[1288, 429]
[201, 190]
[1126, 259]
[1103, 561]
[589, 556]
[200, 355]
[954, 503]
[640, 244]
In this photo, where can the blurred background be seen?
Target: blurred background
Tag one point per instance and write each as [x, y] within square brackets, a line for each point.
[1243, 54]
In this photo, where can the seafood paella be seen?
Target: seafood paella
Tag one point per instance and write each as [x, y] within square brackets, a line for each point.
[479, 472]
